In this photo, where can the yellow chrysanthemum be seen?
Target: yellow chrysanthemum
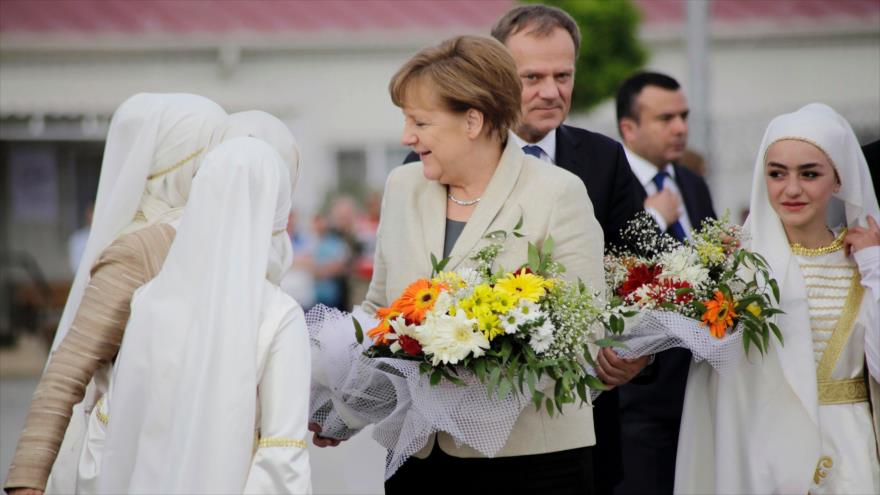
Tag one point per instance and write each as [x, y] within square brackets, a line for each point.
[523, 285]
[480, 300]
[503, 301]
[450, 279]
[489, 324]
[710, 253]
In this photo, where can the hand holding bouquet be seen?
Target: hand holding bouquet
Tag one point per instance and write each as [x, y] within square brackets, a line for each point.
[509, 328]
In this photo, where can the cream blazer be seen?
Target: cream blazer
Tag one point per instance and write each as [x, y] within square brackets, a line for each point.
[552, 202]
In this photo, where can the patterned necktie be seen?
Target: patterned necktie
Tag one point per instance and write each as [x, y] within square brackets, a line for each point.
[534, 150]
[675, 229]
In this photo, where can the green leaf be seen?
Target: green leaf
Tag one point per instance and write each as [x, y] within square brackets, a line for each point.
[519, 223]
[746, 339]
[777, 332]
[547, 248]
[504, 388]
[534, 258]
[531, 378]
[775, 287]
[582, 390]
[549, 405]
[609, 342]
[496, 234]
[594, 383]
[425, 368]
[358, 331]
[436, 376]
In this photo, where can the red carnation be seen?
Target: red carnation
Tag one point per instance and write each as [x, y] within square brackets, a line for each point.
[638, 276]
[409, 345]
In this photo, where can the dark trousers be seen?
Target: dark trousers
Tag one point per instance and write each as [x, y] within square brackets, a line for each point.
[564, 472]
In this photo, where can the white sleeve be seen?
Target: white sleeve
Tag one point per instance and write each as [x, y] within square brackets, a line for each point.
[868, 260]
[281, 461]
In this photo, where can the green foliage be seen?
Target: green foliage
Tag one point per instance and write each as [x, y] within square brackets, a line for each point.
[610, 49]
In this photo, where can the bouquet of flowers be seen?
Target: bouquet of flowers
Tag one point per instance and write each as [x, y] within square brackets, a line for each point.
[710, 282]
[509, 328]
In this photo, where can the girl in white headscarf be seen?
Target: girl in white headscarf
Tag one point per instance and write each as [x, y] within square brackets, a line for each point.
[154, 147]
[804, 418]
[213, 348]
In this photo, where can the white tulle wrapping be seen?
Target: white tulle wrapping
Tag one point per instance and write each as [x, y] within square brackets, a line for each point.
[350, 391]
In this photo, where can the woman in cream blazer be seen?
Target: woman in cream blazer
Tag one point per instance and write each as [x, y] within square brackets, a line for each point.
[459, 99]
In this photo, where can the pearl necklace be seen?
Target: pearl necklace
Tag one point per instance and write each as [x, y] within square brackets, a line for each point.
[463, 203]
[836, 245]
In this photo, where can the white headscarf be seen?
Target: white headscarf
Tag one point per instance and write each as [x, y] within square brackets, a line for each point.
[824, 128]
[270, 129]
[182, 403]
[756, 430]
[154, 147]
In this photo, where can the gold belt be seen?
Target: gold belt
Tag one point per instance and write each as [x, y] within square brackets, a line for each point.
[842, 391]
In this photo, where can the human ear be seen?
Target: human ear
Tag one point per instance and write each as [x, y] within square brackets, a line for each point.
[475, 121]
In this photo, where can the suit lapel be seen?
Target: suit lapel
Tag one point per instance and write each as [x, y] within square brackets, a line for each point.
[432, 201]
[566, 150]
[687, 190]
[497, 192]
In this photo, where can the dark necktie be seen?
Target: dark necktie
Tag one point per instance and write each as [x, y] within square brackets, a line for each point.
[534, 150]
[675, 229]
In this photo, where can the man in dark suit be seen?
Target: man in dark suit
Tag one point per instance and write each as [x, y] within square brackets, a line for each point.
[544, 42]
[652, 118]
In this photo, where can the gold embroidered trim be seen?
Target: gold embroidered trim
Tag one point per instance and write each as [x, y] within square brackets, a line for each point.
[279, 232]
[842, 330]
[825, 463]
[843, 391]
[102, 417]
[828, 277]
[825, 286]
[139, 216]
[281, 442]
[835, 298]
[820, 265]
[176, 166]
[836, 245]
[824, 318]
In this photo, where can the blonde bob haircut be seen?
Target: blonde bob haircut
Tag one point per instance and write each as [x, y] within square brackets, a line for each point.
[466, 72]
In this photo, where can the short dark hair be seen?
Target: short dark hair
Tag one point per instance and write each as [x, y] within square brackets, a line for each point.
[466, 72]
[542, 19]
[632, 87]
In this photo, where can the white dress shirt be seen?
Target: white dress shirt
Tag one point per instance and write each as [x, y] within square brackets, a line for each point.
[645, 172]
[547, 145]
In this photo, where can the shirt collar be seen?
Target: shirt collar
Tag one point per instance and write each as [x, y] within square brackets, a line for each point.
[547, 143]
[643, 169]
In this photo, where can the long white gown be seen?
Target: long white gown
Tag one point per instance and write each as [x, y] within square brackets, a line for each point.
[281, 460]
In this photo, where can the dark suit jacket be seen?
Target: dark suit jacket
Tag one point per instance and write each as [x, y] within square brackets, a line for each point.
[872, 155]
[617, 196]
[650, 410]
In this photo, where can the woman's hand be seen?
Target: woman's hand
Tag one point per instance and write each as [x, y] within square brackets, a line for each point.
[861, 237]
[319, 440]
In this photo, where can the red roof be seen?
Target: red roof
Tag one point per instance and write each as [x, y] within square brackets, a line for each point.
[220, 16]
[191, 16]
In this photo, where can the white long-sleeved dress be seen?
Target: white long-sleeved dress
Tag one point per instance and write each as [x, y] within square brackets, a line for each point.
[280, 463]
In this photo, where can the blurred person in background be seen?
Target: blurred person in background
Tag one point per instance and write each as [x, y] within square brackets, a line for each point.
[331, 259]
[652, 119]
[298, 282]
[344, 220]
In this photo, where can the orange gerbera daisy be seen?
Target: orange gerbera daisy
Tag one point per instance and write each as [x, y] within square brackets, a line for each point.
[418, 299]
[379, 332]
[719, 314]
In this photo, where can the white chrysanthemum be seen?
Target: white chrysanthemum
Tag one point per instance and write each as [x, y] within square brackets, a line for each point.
[449, 339]
[683, 265]
[400, 328]
[542, 337]
[470, 276]
[443, 303]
